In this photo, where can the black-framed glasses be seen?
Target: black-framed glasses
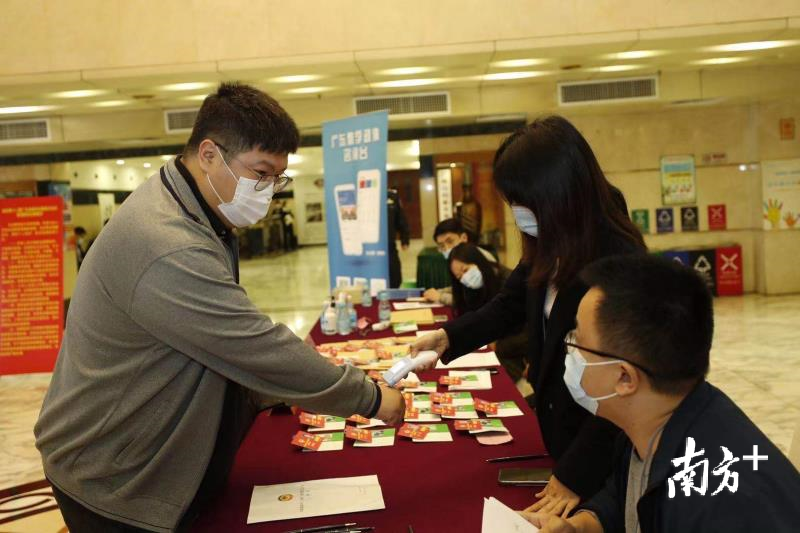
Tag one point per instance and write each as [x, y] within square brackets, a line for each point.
[279, 181]
[569, 342]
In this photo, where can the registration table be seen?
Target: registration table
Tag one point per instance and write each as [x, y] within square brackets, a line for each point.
[431, 487]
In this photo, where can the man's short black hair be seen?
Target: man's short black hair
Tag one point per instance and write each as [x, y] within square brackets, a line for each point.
[80, 230]
[448, 225]
[657, 312]
[242, 118]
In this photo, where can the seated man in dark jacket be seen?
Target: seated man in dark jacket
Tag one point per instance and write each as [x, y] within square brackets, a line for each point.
[689, 459]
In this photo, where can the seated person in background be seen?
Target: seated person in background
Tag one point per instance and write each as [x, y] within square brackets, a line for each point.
[475, 280]
[448, 234]
[685, 462]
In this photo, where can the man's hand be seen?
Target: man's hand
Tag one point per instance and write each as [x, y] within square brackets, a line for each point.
[548, 523]
[436, 341]
[556, 499]
[432, 295]
[393, 406]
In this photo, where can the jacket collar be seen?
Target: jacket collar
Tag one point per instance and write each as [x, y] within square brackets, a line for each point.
[673, 439]
[186, 188]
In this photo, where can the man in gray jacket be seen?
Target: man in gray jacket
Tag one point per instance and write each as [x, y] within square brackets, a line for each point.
[165, 359]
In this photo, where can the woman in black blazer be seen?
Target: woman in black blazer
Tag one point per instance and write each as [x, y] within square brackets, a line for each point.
[569, 216]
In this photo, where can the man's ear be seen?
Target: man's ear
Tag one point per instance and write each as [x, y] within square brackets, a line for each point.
[464, 237]
[207, 153]
[629, 380]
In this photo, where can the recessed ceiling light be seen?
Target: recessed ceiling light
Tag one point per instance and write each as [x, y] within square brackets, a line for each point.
[408, 83]
[147, 165]
[518, 63]
[414, 150]
[109, 103]
[166, 157]
[197, 97]
[300, 78]
[82, 93]
[519, 75]
[295, 159]
[635, 54]
[189, 86]
[720, 60]
[406, 71]
[614, 68]
[120, 162]
[24, 109]
[309, 90]
[750, 46]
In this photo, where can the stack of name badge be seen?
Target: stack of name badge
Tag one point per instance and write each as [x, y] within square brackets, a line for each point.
[461, 380]
[316, 441]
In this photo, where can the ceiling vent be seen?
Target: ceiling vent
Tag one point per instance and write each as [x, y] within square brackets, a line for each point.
[179, 120]
[608, 91]
[418, 105]
[24, 131]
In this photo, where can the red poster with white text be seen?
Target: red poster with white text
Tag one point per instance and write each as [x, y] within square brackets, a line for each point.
[31, 283]
[730, 278]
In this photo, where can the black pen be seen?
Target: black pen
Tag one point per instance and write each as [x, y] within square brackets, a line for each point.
[516, 458]
[491, 371]
[331, 527]
[348, 530]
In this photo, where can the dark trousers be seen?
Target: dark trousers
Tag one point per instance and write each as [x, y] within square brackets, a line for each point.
[395, 269]
[79, 519]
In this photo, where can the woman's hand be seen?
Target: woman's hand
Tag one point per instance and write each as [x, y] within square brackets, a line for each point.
[556, 499]
[432, 295]
[436, 341]
[548, 523]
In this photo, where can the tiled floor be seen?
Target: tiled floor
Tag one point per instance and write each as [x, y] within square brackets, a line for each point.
[754, 359]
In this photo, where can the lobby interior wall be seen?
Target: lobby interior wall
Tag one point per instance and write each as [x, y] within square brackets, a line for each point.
[629, 146]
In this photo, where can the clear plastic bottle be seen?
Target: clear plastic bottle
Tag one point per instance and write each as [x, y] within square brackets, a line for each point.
[384, 307]
[366, 296]
[342, 317]
[328, 322]
[351, 313]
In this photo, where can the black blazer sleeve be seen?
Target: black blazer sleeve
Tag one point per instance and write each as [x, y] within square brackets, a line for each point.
[503, 315]
[588, 460]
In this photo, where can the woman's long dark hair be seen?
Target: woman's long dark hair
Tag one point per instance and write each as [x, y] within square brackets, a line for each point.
[465, 299]
[548, 167]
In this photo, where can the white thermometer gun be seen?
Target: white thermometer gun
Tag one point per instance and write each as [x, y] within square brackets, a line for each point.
[405, 365]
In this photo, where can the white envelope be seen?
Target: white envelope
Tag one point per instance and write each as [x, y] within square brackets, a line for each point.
[498, 517]
[319, 497]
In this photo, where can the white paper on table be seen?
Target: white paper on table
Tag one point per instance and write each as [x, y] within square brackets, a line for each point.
[464, 413]
[471, 360]
[439, 433]
[404, 306]
[332, 423]
[499, 517]
[425, 417]
[484, 381]
[319, 497]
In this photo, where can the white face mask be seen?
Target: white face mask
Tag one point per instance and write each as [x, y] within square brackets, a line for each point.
[472, 278]
[574, 365]
[526, 220]
[446, 253]
[248, 205]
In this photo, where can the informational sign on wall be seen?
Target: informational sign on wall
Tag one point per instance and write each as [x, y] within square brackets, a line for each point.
[31, 283]
[717, 217]
[665, 220]
[678, 180]
[444, 193]
[780, 182]
[354, 155]
[690, 220]
[641, 218]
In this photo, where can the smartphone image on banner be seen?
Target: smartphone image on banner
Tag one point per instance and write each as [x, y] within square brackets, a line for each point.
[347, 211]
[369, 204]
[524, 477]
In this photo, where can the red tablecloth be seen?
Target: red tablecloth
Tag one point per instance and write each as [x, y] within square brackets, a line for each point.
[434, 487]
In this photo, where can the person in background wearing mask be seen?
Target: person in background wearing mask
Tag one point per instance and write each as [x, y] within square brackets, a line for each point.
[475, 281]
[447, 234]
[638, 357]
[165, 359]
[569, 215]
